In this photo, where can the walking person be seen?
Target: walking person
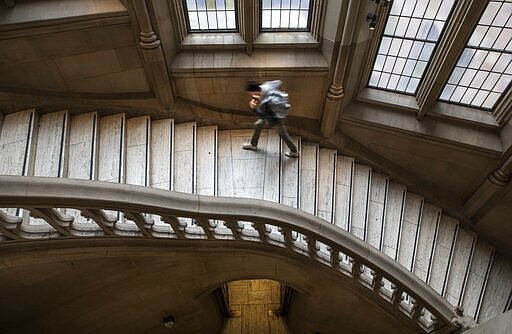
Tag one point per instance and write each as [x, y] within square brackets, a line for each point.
[272, 107]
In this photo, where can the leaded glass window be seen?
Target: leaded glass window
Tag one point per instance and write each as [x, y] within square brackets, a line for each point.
[484, 69]
[411, 34]
[211, 15]
[285, 15]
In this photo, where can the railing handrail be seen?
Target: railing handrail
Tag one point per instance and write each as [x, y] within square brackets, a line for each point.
[41, 192]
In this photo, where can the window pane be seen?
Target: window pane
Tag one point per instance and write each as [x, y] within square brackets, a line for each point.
[485, 59]
[193, 20]
[447, 92]
[275, 19]
[412, 31]
[285, 18]
[379, 62]
[304, 4]
[211, 15]
[191, 4]
[221, 20]
[393, 81]
[303, 19]
[456, 75]
[285, 15]
[374, 78]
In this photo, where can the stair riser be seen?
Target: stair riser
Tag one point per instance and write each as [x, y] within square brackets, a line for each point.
[203, 160]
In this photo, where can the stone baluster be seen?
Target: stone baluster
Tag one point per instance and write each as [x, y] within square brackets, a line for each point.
[377, 280]
[154, 62]
[334, 256]
[142, 222]
[207, 226]
[396, 295]
[288, 236]
[102, 219]
[177, 226]
[312, 246]
[357, 268]
[9, 223]
[263, 230]
[235, 228]
[56, 220]
[417, 309]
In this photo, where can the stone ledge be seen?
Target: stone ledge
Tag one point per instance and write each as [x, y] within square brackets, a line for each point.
[285, 40]
[213, 41]
[439, 129]
[306, 60]
[34, 13]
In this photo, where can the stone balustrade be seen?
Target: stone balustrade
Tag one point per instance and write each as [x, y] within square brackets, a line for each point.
[80, 208]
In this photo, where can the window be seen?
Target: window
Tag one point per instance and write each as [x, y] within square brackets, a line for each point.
[484, 69]
[248, 24]
[211, 15]
[285, 15]
[410, 36]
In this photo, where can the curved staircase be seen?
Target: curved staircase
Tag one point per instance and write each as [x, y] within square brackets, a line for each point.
[205, 161]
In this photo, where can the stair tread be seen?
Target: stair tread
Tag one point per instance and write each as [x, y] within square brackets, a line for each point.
[204, 160]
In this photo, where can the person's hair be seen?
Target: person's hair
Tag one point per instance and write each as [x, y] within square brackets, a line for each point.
[252, 86]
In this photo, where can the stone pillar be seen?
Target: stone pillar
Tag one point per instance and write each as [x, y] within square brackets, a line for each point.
[489, 189]
[334, 96]
[154, 62]
[248, 25]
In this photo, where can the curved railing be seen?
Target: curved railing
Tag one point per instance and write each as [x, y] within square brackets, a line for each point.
[145, 212]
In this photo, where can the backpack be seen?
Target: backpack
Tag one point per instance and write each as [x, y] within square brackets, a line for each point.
[277, 101]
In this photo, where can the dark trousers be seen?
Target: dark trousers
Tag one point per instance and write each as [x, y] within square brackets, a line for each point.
[281, 130]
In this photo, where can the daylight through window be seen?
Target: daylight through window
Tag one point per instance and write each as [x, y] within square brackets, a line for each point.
[211, 15]
[410, 36]
[285, 15]
[484, 69]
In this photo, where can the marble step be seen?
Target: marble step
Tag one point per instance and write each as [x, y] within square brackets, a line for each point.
[184, 169]
[51, 137]
[204, 160]
[82, 164]
[162, 154]
[17, 151]
[16, 138]
[309, 177]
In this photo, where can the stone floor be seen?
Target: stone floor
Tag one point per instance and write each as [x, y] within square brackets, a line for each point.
[257, 301]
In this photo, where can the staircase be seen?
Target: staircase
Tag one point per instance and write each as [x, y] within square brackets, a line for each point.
[188, 158]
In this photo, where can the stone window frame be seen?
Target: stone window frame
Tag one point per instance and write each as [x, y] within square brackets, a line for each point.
[458, 30]
[249, 36]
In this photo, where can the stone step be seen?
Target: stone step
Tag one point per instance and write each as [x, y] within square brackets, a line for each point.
[203, 160]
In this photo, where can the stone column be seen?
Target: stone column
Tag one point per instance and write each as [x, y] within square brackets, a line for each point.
[154, 62]
[334, 97]
[489, 189]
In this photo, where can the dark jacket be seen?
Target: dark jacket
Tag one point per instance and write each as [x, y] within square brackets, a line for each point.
[264, 111]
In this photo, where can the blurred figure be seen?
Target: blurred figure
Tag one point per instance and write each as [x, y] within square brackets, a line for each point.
[271, 105]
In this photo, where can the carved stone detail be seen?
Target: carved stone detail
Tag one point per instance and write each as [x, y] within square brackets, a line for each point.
[149, 40]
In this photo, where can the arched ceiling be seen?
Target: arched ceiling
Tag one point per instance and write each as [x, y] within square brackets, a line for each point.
[129, 286]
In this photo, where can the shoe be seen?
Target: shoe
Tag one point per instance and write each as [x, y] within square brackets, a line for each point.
[258, 122]
[249, 146]
[292, 154]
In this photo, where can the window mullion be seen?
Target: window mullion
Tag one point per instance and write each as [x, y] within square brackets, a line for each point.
[377, 34]
[459, 29]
